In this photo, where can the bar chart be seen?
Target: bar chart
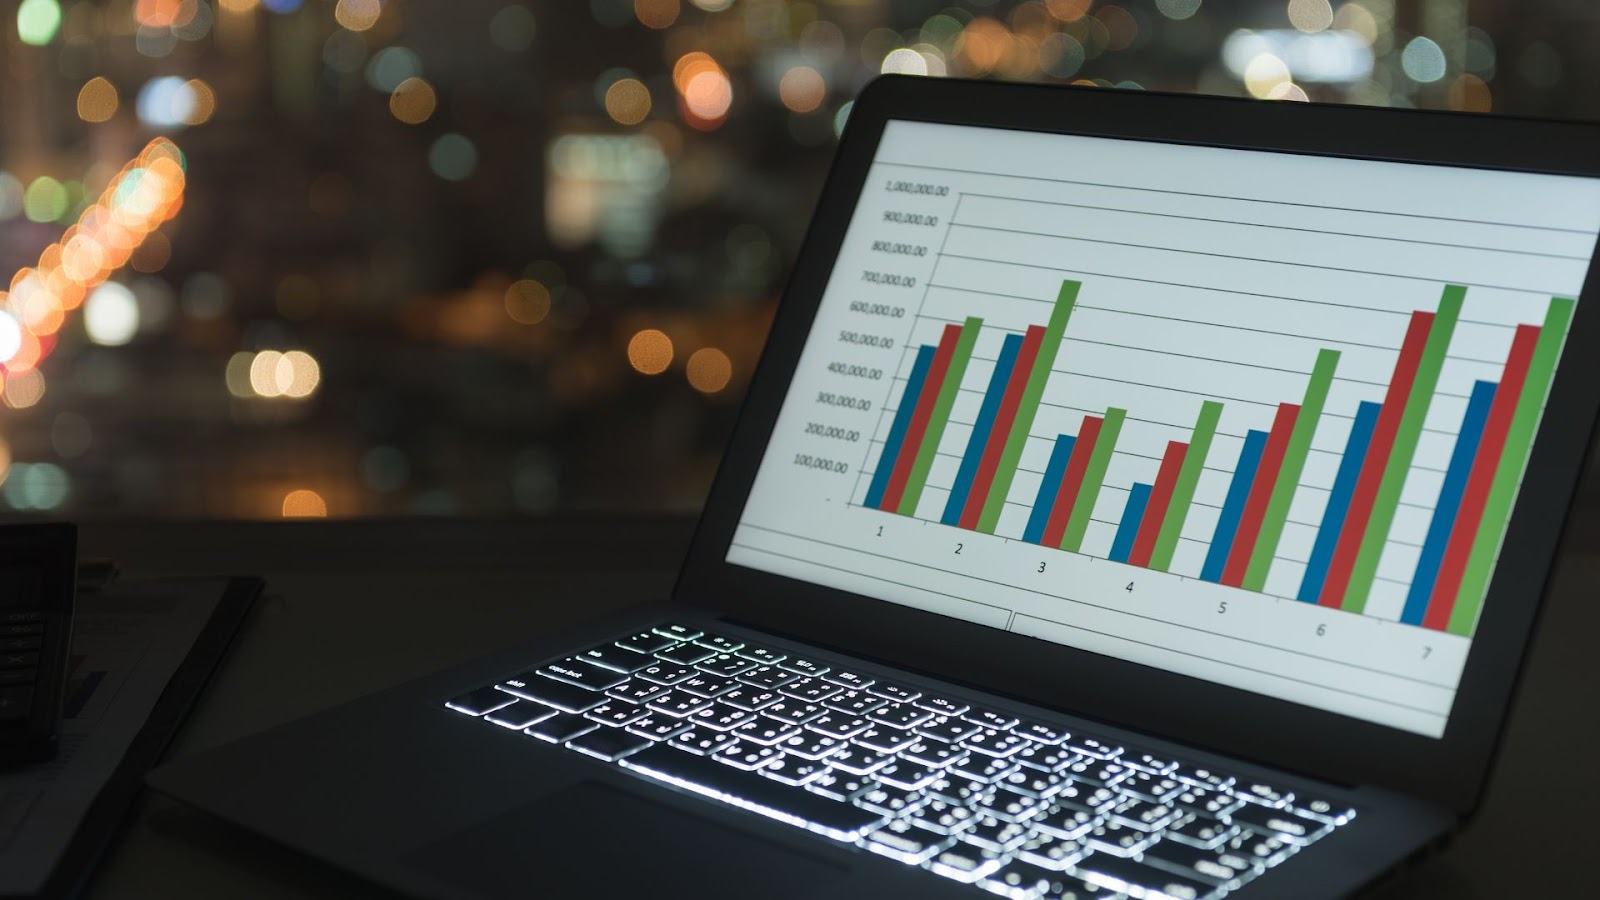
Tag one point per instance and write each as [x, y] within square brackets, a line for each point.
[1360, 507]
[1255, 418]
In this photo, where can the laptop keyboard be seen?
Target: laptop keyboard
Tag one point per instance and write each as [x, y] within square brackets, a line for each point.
[1021, 807]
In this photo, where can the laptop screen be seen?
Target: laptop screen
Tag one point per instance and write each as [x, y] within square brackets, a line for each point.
[1256, 418]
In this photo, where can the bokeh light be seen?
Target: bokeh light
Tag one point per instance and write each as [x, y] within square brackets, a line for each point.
[709, 370]
[357, 15]
[627, 101]
[304, 503]
[802, 89]
[38, 21]
[97, 100]
[527, 301]
[1423, 60]
[512, 28]
[650, 352]
[111, 315]
[656, 14]
[413, 101]
[1310, 16]
[452, 157]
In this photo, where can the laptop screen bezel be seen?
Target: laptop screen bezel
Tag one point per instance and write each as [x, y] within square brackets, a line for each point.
[1449, 770]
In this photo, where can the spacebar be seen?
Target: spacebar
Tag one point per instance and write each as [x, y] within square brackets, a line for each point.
[750, 791]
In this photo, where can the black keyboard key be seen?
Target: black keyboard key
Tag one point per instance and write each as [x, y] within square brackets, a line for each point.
[636, 691]
[811, 690]
[767, 677]
[805, 668]
[1011, 806]
[17, 630]
[995, 834]
[1284, 824]
[1118, 839]
[616, 715]
[1098, 772]
[762, 655]
[12, 644]
[1142, 814]
[995, 743]
[1207, 802]
[519, 715]
[902, 715]
[18, 676]
[560, 728]
[1150, 786]
[720, 717]
[719, 643]
[810, 745]
[958, 791]
[765, 730]
[891, 800]
[1135, 877]
[965, 862]
[751, 698]
[900, 840]
[746, 755]
[1201, 776]
[609, 744]
[885, 738]
[1034, 783]
[686, 654]
[1093, 746]
[582, 674]
[1212, 866]
[894, 693]
[988, 769]
[565, 697]
[1081, 795]
[707, 685]
[1066, 824]
[21, 618]
[1198, 830]
[18, 660]
[1148, 760]
[855, 703]
[934, 754]
[658, 728]
[1025, 879]
[480, 701]
[988, 718]
[806, 809]
[1331, 811]
[701, 741]
[1265, 794]
[678, 632]
[794, 770]
[1039, 732]
[846, 679]
[840, 786]
[838, 725]
[727, 666]
[1045, 757]
[941, 706]
[858, 760]
[791, 710]
[1263, 849]
[666, 673]
[943, 817]
[949, 730]
[645, 642]
[611, 656]
[678, 704]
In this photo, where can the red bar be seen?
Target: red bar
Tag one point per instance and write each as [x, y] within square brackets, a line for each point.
[1056, 527]
[1255, 506]
[1155, 509]
[1470, 513]
[919, 419]
[1366, 492]
[1021, 371]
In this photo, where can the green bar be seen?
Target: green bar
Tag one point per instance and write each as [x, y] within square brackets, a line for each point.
[1053, 332]
[1519, 440]
[1183, 492]
[1093, 477]
[1405, 447]
[940, 417]
[1294, 462]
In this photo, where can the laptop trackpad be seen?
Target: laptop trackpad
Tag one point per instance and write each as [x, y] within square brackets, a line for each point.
[595, 840]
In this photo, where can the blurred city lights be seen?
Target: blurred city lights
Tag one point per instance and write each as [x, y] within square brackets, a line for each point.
[527, 301]
[512, 28]
[97, 100]
[166, 102]
[391, 66]
[111, 315]
[1310, 16]
[413, 101]
[24, 389]
[294, 375]
[11, 192]
[36, 486]
[650, 352]
[802, 89]
[38, 21]
[1177, 10]
[357, 15]
[1423, 60]
[304, 504]
[1265, 74]
[627, 101]
[709, 370]
[656, 14]
[452, 157]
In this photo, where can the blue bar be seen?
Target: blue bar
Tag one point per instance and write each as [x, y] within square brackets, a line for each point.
[1344, 484]
[1128, 528]
[1444, 513]
[902, 421]
[1048, 488]
[1233, 506]
[980, 430]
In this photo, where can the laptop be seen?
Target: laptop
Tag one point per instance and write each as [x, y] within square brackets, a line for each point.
[1139, 496]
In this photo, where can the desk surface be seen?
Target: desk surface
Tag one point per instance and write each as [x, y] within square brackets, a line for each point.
[355, 607]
